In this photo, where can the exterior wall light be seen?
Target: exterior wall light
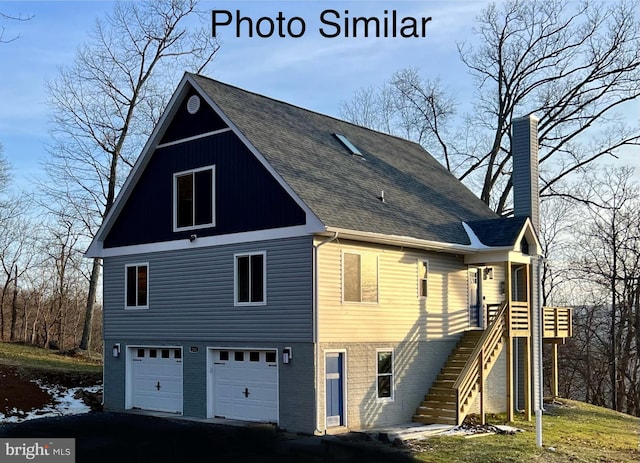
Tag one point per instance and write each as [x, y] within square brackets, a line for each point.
[287, 355]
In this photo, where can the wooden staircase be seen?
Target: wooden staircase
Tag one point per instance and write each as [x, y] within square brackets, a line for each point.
[462, 377]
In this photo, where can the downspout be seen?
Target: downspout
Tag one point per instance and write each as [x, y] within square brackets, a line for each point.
[316, 327]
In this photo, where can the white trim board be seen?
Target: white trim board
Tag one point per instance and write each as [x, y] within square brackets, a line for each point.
[206, 241]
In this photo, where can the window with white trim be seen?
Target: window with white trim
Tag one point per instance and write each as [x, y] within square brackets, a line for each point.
[194, 199]
[384, 374]
[251, 278]
[136, 286]
[423, 278]
[359, 277]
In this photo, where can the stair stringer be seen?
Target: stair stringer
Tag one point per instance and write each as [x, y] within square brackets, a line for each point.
[456, 388]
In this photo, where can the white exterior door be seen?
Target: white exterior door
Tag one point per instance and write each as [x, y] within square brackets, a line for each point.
[245, 385]
[156, 378]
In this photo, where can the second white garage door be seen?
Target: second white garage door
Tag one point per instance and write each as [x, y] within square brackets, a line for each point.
[245, 385]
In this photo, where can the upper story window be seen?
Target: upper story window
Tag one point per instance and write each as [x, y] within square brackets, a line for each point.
[194, 199]
[423, 278]
[137, 286]
[359, 277]
[251, 278]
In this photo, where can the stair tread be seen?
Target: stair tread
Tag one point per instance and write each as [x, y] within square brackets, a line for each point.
[440, 404]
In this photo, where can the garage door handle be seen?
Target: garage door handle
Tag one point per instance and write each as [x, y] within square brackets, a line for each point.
[246, 392]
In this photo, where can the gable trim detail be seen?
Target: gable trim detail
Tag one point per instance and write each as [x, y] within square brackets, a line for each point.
[206, 241]
[96, 249]
[195, 137]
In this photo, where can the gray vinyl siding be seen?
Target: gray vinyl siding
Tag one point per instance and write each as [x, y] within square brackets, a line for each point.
[297, 389]
[191, 295]
[114, 386]
[296, 379]
[525, 169]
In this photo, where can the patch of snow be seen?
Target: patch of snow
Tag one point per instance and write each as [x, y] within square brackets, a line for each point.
[64, 404]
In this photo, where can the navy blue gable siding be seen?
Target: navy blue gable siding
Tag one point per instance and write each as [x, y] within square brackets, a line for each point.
[185, 125]
[247, 197]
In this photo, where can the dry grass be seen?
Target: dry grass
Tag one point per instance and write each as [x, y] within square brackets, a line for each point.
[25, 356]
[571, 432]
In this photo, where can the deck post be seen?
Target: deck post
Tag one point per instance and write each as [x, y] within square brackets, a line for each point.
[527, 378]
[482, 403]
[554, 370]
[528, 384]
[509, 341]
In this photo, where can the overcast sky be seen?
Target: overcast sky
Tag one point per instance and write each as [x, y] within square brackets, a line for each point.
[311, 71]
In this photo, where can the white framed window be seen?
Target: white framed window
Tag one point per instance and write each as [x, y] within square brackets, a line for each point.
[136, 284]
[359, 277]
[194, 199]
[250, 278]
[384, 374]
[423, 278]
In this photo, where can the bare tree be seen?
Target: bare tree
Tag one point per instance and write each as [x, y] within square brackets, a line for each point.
[105, 104]
[16, 256]
[556, 236]
[16, 250]
[7, 17]
[609, 258]
[575, 65]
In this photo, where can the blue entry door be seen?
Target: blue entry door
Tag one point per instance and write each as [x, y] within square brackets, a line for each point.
[334, 373]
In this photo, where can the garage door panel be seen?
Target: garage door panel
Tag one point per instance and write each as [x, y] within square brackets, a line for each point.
[157, 379]
[245, 385]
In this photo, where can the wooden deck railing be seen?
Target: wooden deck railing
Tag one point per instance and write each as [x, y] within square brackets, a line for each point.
[517, 317]
[479, 363]
[558, 322]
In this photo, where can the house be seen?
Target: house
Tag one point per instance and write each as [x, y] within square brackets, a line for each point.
[263, 262]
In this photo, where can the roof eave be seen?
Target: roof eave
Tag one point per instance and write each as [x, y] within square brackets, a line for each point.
[408, 241]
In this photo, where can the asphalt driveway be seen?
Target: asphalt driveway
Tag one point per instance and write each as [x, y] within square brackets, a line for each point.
[122, 438]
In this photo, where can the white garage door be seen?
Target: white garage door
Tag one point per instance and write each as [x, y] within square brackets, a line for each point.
[156, 379]
[245, 385]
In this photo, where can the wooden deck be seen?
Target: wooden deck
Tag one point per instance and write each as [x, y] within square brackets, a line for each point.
[558, 323]
[462, 379]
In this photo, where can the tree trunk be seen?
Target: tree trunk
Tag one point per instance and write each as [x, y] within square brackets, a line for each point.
[34, 327]
[25, 318]
[14, 306]
[613, 360]
[2, 297]
[91, 299]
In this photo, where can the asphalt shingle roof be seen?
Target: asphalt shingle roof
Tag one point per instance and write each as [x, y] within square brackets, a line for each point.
[422, 199]
[501, 231]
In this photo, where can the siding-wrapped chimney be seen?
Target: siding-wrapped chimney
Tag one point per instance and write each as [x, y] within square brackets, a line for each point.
[524, 151]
